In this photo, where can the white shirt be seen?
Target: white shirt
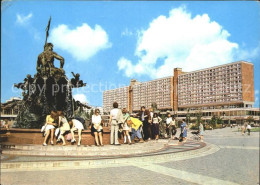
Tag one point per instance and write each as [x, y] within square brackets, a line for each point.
[96, 119]
[168, 120]
[113, 113]
[151, 114]
[248, 127]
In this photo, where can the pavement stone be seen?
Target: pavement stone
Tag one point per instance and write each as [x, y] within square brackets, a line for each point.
[230, 159]
[127, 175]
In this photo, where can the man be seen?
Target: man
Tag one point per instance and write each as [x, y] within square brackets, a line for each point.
[45, 62]
[145, 117]
[248, 127]
[116, 117]
[136, 125]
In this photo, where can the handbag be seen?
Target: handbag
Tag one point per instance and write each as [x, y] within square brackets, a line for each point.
[43, 128]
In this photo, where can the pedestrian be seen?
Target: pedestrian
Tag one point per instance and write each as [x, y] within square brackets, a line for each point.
[168, 125]
[173, 128]
[76, 125]
[156, 120]
[248, 129]
[243, 130]
[184, 130]
[116, 118]
[144, 116]
[97, 128]
[136, 127]
[126, 124]
[63, 126]
[51, 122]
[201, 131]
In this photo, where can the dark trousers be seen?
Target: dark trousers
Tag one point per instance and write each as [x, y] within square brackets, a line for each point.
[248, 130]
[147, 130]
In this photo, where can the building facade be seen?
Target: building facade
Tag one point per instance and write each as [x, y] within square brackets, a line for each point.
[217, 87]
[10, 109]
[225, 86]
[119, 95]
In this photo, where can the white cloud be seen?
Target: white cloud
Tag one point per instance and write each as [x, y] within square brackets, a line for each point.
[24, 22]
[82, 42]
[23, 19]
[80, 97]
[181, 40]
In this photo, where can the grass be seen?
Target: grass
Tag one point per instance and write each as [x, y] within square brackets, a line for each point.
[254, 129]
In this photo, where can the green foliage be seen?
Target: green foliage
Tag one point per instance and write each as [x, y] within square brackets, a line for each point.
[194, 127]
[188, 116]
[87, 115]
[91, 113]
[216, 122]
[250, 119]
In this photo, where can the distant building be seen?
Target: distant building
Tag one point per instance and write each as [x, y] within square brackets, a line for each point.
[10, 109]
[221, 88]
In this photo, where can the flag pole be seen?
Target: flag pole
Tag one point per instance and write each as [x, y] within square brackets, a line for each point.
[47, 30]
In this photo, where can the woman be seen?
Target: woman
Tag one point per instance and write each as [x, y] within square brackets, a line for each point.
[183, 130]
[126, 129]
[156, 121]
[51, 122]
[63, 125]
[76, 125]
[97, 127]
[201, 131]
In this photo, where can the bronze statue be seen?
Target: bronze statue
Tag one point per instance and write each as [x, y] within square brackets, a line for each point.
[45, 62]
[76, 82]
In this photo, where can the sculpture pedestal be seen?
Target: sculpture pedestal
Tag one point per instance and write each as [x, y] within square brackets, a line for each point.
[35, 136]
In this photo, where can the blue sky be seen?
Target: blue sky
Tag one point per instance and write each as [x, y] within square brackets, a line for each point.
[109, 43]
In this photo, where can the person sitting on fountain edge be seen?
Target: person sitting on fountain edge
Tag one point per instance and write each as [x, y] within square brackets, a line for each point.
[51, 122]
[76, 125]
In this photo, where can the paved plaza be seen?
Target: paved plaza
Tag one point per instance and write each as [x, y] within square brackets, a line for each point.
[227, 158]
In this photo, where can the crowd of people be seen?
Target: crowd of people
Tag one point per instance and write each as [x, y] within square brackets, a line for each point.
[143, 126]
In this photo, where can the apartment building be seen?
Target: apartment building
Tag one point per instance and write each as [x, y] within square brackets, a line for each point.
[119, 95]
[157, 91]
[220, 88]
[10, 109]
[217, 87]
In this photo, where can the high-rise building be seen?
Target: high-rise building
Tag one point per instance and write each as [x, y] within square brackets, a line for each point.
[119, 95]
[229, 84]
[220, 87]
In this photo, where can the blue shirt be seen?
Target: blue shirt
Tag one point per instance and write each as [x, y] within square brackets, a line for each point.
[185, 131]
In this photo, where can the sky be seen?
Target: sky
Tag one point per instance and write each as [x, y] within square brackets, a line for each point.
[111, 42]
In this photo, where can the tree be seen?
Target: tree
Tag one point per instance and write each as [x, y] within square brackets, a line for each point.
[213, 121]
[188, 116]
[250, 119]
[91, 113]
[154, 106]
[220, 121]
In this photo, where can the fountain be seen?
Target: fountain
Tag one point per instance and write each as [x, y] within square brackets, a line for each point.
[49, 89]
